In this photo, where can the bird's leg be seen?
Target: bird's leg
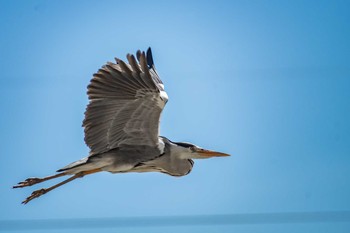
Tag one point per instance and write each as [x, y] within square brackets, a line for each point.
[33, 180]
[40, 192]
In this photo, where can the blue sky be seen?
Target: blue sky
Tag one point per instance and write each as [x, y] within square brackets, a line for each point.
[266, 81]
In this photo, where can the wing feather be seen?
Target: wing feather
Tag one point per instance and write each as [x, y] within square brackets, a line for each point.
[133, 63]
[126, 101]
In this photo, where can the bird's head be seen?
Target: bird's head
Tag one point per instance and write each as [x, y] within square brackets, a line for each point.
[190, 151]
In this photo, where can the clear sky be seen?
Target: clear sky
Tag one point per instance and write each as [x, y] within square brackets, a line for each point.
[266, 81]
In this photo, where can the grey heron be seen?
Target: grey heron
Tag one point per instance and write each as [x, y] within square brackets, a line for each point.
[121, 127]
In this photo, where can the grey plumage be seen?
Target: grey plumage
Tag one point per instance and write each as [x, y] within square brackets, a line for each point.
[125, 106]
[121, 126]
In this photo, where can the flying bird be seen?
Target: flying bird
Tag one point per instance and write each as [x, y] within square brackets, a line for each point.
[121, 127]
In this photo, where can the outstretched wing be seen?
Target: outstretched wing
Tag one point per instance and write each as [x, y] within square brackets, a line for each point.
[126, 101]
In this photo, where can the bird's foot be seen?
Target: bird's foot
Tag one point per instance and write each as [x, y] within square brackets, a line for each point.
[28, 182]
[34, 194]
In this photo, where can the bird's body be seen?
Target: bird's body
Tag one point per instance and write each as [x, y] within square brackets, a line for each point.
[137, 159]
[122, 126]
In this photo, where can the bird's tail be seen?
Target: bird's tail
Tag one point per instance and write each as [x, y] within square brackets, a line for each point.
[73, 165]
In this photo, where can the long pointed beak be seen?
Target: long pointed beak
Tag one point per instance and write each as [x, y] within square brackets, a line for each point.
[210, 153]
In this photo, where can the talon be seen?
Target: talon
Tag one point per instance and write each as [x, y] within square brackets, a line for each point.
[28, 182]
[34, 194]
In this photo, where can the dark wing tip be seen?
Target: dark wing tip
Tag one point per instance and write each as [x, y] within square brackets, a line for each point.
[149, 57]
